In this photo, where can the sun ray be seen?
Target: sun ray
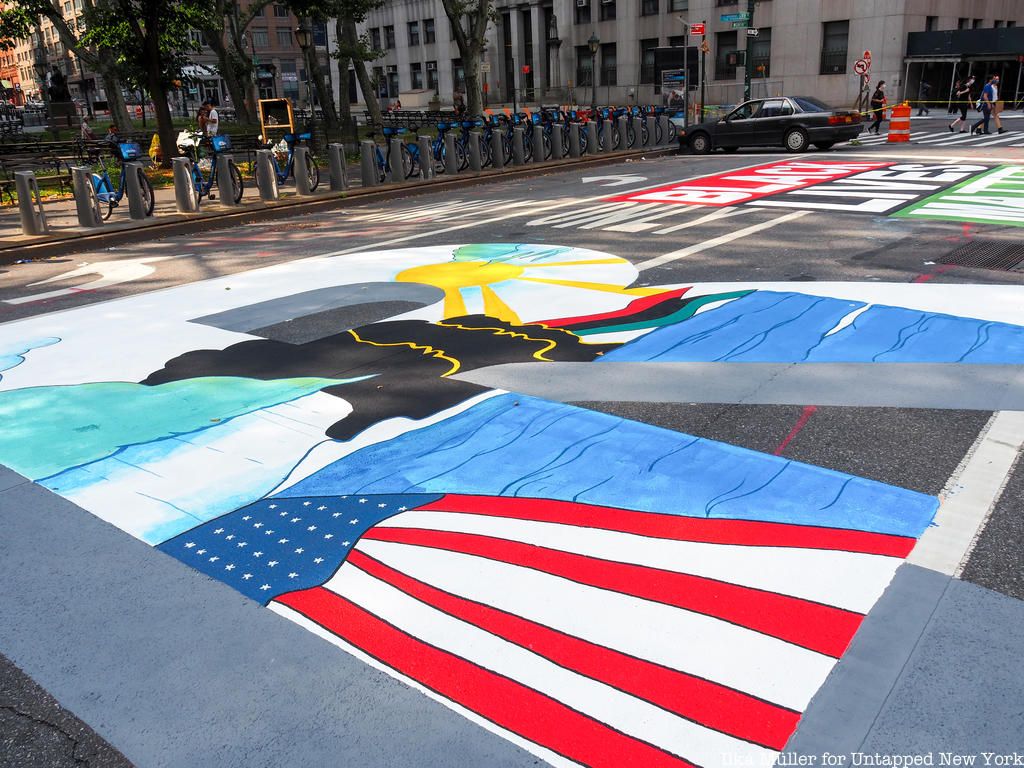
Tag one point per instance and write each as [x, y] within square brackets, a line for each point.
[581, 262]
[495, 307]
[454, 304]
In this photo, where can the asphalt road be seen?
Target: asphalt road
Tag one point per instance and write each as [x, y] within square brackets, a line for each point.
[797, 242]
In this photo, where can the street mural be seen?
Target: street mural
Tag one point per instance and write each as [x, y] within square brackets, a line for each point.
[600, 591]
[996, 197]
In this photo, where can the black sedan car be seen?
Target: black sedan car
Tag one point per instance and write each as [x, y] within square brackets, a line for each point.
[792, 122]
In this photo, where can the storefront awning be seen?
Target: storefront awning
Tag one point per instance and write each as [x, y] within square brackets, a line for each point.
[198, 72]
[6, 84]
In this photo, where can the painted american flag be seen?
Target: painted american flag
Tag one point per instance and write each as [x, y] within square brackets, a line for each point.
[590, 635]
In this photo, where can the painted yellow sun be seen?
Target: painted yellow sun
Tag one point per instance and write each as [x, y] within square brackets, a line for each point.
[486, 266]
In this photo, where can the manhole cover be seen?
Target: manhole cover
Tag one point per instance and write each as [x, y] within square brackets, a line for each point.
[988, 254]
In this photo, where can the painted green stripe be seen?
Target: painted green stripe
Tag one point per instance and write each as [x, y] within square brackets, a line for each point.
[923, 209]
[676, 317]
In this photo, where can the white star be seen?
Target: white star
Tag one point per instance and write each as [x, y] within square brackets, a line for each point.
[318, 560]
[190, 545]
[306, 503]
[403, 509]
[269, 532]
[381, 506]
[219, 530]
[299, 551]
[246, 576]
[295, 520]
[230, 536]
[362, 501]
[336, 514]
[229, 567]
[214, 559]
[292, 575]
[257, 525]
[345, 543]
[242, 544]
[282, 541]
[283, 514]
[272, 563]
[265, 587]
[353, 521]
[311, 528]
[328, 535]
[247, 517]
[273, 506]
[257, 553]
[200, 551]
[321, 509]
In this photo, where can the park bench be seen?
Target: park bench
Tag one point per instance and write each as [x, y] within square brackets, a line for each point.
[48, 167]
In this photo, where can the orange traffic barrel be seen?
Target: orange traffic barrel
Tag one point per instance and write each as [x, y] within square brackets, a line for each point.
[899, 123]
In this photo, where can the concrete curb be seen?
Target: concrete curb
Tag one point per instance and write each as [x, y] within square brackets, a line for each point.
[179, 225]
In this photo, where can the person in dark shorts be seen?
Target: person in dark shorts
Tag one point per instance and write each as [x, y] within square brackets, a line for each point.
[877, 107]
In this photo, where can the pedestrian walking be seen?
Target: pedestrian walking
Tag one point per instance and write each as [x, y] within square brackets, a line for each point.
[988, 98]
[878, 107]
[997, 106]
[85, 132]
[961, 101]
[924, 92]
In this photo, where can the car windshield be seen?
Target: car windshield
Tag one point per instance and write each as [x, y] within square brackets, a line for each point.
[811, 104]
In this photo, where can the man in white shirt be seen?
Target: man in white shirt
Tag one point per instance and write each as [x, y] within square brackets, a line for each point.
[209, 120]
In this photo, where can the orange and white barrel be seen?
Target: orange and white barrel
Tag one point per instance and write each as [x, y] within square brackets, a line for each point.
[899, 124]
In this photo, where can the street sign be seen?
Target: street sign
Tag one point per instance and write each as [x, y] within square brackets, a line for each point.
[744, 16]
[740, 24]
[752, 33]
[867, 57]
[861, 67]
[697, 29]
[485, 67]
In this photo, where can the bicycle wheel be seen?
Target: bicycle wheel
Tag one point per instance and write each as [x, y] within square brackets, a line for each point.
[547, 147]
[382, 166]
[486, 153]
[237, 187]
[630, 136]
[658, 133]
[645, 134]
[148, 198]
[616, 138]
[105, 194]
[313, 172]
[410, 164]
[583, 142]
[528, 146]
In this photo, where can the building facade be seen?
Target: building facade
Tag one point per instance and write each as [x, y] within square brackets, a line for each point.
[541, 49]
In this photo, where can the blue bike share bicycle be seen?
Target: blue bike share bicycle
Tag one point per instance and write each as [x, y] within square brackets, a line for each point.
[283, 173]
[204, 187]
[111, 197]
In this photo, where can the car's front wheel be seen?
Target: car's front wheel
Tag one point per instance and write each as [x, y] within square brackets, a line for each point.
[796, 140]
[824, 145]
[700, 144]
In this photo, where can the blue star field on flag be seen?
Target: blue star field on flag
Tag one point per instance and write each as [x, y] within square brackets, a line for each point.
[278, 545]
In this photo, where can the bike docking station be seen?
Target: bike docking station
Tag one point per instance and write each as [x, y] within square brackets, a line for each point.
[609, 128]
[518, 147]
[396, 169]
[137, 209]
[623, 131]
[426, 158]
[475, 161]
[592, 143]
[185, 199]
[266, 176]
[368, 163]
[451, 162]
[337, 166]
[87, 202]
[303, 187]
[30, 204]
[575, 149]
[225, 185]
[557, 148]
[497, 151]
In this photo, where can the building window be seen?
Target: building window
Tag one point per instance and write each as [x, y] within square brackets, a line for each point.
[260, 37]
[583, 12]
[759, 51]
[1011, 23]
[281, 11]
[416, 69]
[429, 35]
[389, 37]
[647, 59]
[963, 23]
[289, 80]
[258, 13]
[414, 33]
[607, 10]
[609, 64]
[375, 38]
[998, 23]
[380, 83]
[393, 86]
[976, 23]
[584, 70]
[835, 36]
[650, 7]
[678, 41]
[931, 23]
[458, 75]
[679, 5]
[432, 75]
[284, 38]
[725, 45]
[319, 34]
[726, 2]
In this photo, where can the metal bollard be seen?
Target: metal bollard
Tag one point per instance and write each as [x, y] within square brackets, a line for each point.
[497, 151]
[592, 148]
[538, 144]
[301, 171]
[136, 203]
[266, 175]
[339, 169]
[475, 141]
[397, 170]
[184, 190]
[609, 135]
[646, 137]
[426, 158]
[557, 150]
[575, 150]
[225, 185]
[451, 160]
[518, 152]
[87, 204]
[623, 124]
[368, 163]
[30, 204]
[664, 126]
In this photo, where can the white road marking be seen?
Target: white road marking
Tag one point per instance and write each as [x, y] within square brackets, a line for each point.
[722, 240]
[721, 213]
[971, 494]
[110, 273]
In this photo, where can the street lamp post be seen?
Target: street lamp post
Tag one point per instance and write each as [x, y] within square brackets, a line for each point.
[304, 37]
[594, 42]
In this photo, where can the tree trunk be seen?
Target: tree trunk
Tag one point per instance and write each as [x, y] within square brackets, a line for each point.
[365, 84]
[158, 92]
[115, 100]
[229, 71]
[323, 93]
[474, 91]
[344, 107]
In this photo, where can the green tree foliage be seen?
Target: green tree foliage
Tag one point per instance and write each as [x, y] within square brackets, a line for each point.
[469, 19]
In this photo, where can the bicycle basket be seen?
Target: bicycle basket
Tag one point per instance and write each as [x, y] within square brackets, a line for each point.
[130, 150]
[221, 143]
